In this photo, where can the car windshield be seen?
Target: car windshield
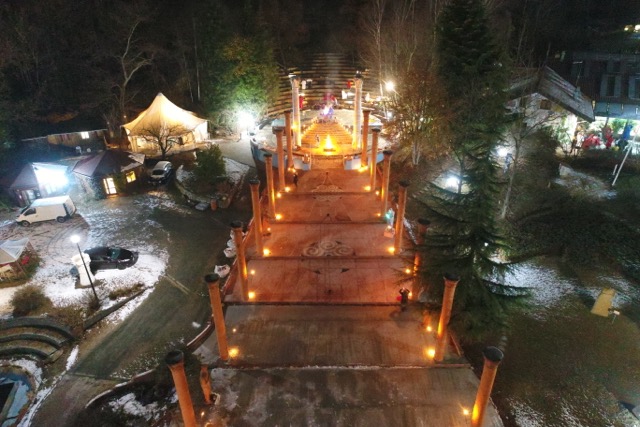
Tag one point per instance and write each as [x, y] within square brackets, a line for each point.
[158, 172]
[114, 253]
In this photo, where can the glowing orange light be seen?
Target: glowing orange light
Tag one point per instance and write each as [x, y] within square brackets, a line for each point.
[367, 188]
[252, 272]
[233, 352]
[363, 169]
[234, 330]
[429, 329]
[328, 145]
[287, 189]
[407, 270]
[266, 252]
[392, 250]
[465, 412]
[431, 352]
[251, 295]
[378, 214]
[377, 193]
[278, 217]
[410, 294]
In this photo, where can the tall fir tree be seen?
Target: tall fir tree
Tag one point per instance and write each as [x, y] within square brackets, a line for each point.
[465, 238]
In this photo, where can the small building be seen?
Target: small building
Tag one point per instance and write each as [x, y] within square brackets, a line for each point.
[109, 173]
[38, 180]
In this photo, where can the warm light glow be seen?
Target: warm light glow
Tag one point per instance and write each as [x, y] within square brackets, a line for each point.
[233, 352]
[234, 330]
[378, 214]
[407, 270]
[269, 229]
[251, 295]
[392, 250]
[279, 195]
[367, 188]
[252, 272]
[363, 169]
[390, 86]
[328, 145]
[377, 192]
[278, 217]
[429, 328]
[431, 352]
[287, 189]
[266, 252]
[465, 412]
[410, 294]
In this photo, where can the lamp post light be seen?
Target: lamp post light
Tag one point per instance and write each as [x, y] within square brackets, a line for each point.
[76, 239]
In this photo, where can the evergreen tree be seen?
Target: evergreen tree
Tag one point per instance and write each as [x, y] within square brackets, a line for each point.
[466, 240]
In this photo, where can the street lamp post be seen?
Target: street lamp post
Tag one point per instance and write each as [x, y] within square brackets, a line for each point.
[76, 239]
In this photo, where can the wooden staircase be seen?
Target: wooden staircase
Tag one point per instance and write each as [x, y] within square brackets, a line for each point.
[336, 131]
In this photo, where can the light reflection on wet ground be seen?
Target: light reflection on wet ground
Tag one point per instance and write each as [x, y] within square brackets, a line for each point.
[565, 366]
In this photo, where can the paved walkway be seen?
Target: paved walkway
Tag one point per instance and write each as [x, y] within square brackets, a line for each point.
[324, 341]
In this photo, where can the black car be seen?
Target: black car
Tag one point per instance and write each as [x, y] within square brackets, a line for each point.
[104, 257]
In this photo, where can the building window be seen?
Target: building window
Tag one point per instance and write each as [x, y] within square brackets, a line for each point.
[84, 135]
[545, 104]
[634, 87]
[109, 186]
[131, 176]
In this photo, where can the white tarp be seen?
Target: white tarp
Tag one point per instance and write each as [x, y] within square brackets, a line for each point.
[164, 114]
[10, 250]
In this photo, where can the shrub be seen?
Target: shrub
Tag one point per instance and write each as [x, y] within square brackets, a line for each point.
[71, 315]
[211, 166]
[125, 291]
[29, 299]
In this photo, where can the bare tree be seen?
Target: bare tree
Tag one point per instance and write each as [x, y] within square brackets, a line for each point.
[164, 136]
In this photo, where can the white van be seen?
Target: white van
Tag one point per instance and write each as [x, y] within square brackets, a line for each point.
[58, 208]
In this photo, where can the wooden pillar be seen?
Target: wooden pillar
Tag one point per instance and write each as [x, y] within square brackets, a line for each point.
[271, 192]
[257, 214]
[365, 137]
[217, 315]
[241, 257]
[295, 95]
[357, 111]
[280, 152]
[386, 172]
[402, 205]
[450, 282]
[287, 130]
[492, 358]
[175, 362]
[423, 226]
[374, 158]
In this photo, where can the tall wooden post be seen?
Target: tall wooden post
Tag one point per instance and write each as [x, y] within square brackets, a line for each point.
[257, 214]
[402, 206]
[365, 136]
[357, 111]
[241, 257]
[374, 158]
[217, 315]
[271, 192]
[280, 152]
[205, 384]
[423, 226]
[386, 172]
[287, 129]
[450, 282]
[492, 358]
[175, 362]
[295, 100]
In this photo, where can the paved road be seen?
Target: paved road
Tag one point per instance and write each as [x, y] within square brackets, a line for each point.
[171, 314]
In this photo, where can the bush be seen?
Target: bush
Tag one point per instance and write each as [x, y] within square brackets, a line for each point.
[71, 315]
[29, 299]
[211, 166]
[125, 291]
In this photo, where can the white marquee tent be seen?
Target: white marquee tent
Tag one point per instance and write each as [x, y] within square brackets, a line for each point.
[164, 115]
[10, 252]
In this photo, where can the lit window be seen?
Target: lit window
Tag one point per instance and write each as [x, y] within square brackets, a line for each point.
[131, 176]
[109, 186]
[84, 135]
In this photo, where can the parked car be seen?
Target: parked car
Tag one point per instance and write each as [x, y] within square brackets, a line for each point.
[161, 172]
[104, 258]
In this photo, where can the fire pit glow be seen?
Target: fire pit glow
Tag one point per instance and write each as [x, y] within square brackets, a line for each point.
[328, 145]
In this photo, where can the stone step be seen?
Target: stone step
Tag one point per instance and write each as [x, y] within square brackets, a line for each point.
[39, 349]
